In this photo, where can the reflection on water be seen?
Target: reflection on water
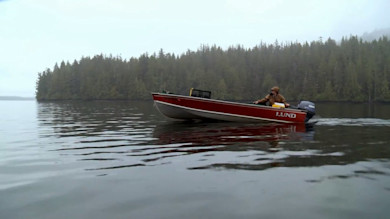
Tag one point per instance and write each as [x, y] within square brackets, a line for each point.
[246, 146]
[122, 135]
[353, 110]
[123, 160]
[229, 133]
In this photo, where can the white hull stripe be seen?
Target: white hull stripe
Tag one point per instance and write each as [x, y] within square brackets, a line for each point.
[220, 113]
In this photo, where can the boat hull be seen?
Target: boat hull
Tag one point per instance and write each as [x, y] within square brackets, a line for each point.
[187, 107]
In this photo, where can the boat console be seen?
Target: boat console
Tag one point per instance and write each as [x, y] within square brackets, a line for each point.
[200, 93]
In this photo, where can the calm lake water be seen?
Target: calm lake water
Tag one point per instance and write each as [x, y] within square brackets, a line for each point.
[125, 160]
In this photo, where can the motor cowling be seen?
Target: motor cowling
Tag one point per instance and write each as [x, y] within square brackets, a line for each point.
[309, 107]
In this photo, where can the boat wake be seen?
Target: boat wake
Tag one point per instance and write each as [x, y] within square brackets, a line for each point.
[352, 122]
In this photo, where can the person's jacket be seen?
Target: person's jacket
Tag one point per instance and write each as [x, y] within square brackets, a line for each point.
[271, 99]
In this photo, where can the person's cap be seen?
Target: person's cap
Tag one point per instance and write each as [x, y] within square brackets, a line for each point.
[276, 89]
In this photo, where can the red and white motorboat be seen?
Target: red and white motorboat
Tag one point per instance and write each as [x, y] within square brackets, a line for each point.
[200, 106]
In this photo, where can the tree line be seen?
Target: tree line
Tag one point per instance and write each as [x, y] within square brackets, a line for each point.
[349, 70]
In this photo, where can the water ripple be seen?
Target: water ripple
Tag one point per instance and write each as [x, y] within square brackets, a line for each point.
[122, 158]
[120, 136]
[353, 122]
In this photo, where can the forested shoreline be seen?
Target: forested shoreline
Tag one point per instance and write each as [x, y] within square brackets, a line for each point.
[351, 70]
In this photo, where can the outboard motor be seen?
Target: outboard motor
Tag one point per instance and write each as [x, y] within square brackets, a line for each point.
[309, 107]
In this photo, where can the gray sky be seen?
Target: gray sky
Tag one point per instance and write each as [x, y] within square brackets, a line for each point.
[35, 34]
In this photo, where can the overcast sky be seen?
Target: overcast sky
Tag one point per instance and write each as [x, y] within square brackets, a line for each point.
[35, 34]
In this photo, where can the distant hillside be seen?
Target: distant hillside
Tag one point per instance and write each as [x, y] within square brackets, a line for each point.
[15, 98]
[376, 34]
[319, 71]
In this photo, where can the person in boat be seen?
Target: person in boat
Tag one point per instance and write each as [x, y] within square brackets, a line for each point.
[273, 97]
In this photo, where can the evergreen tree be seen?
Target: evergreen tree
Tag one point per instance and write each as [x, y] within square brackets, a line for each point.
[352, 70]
